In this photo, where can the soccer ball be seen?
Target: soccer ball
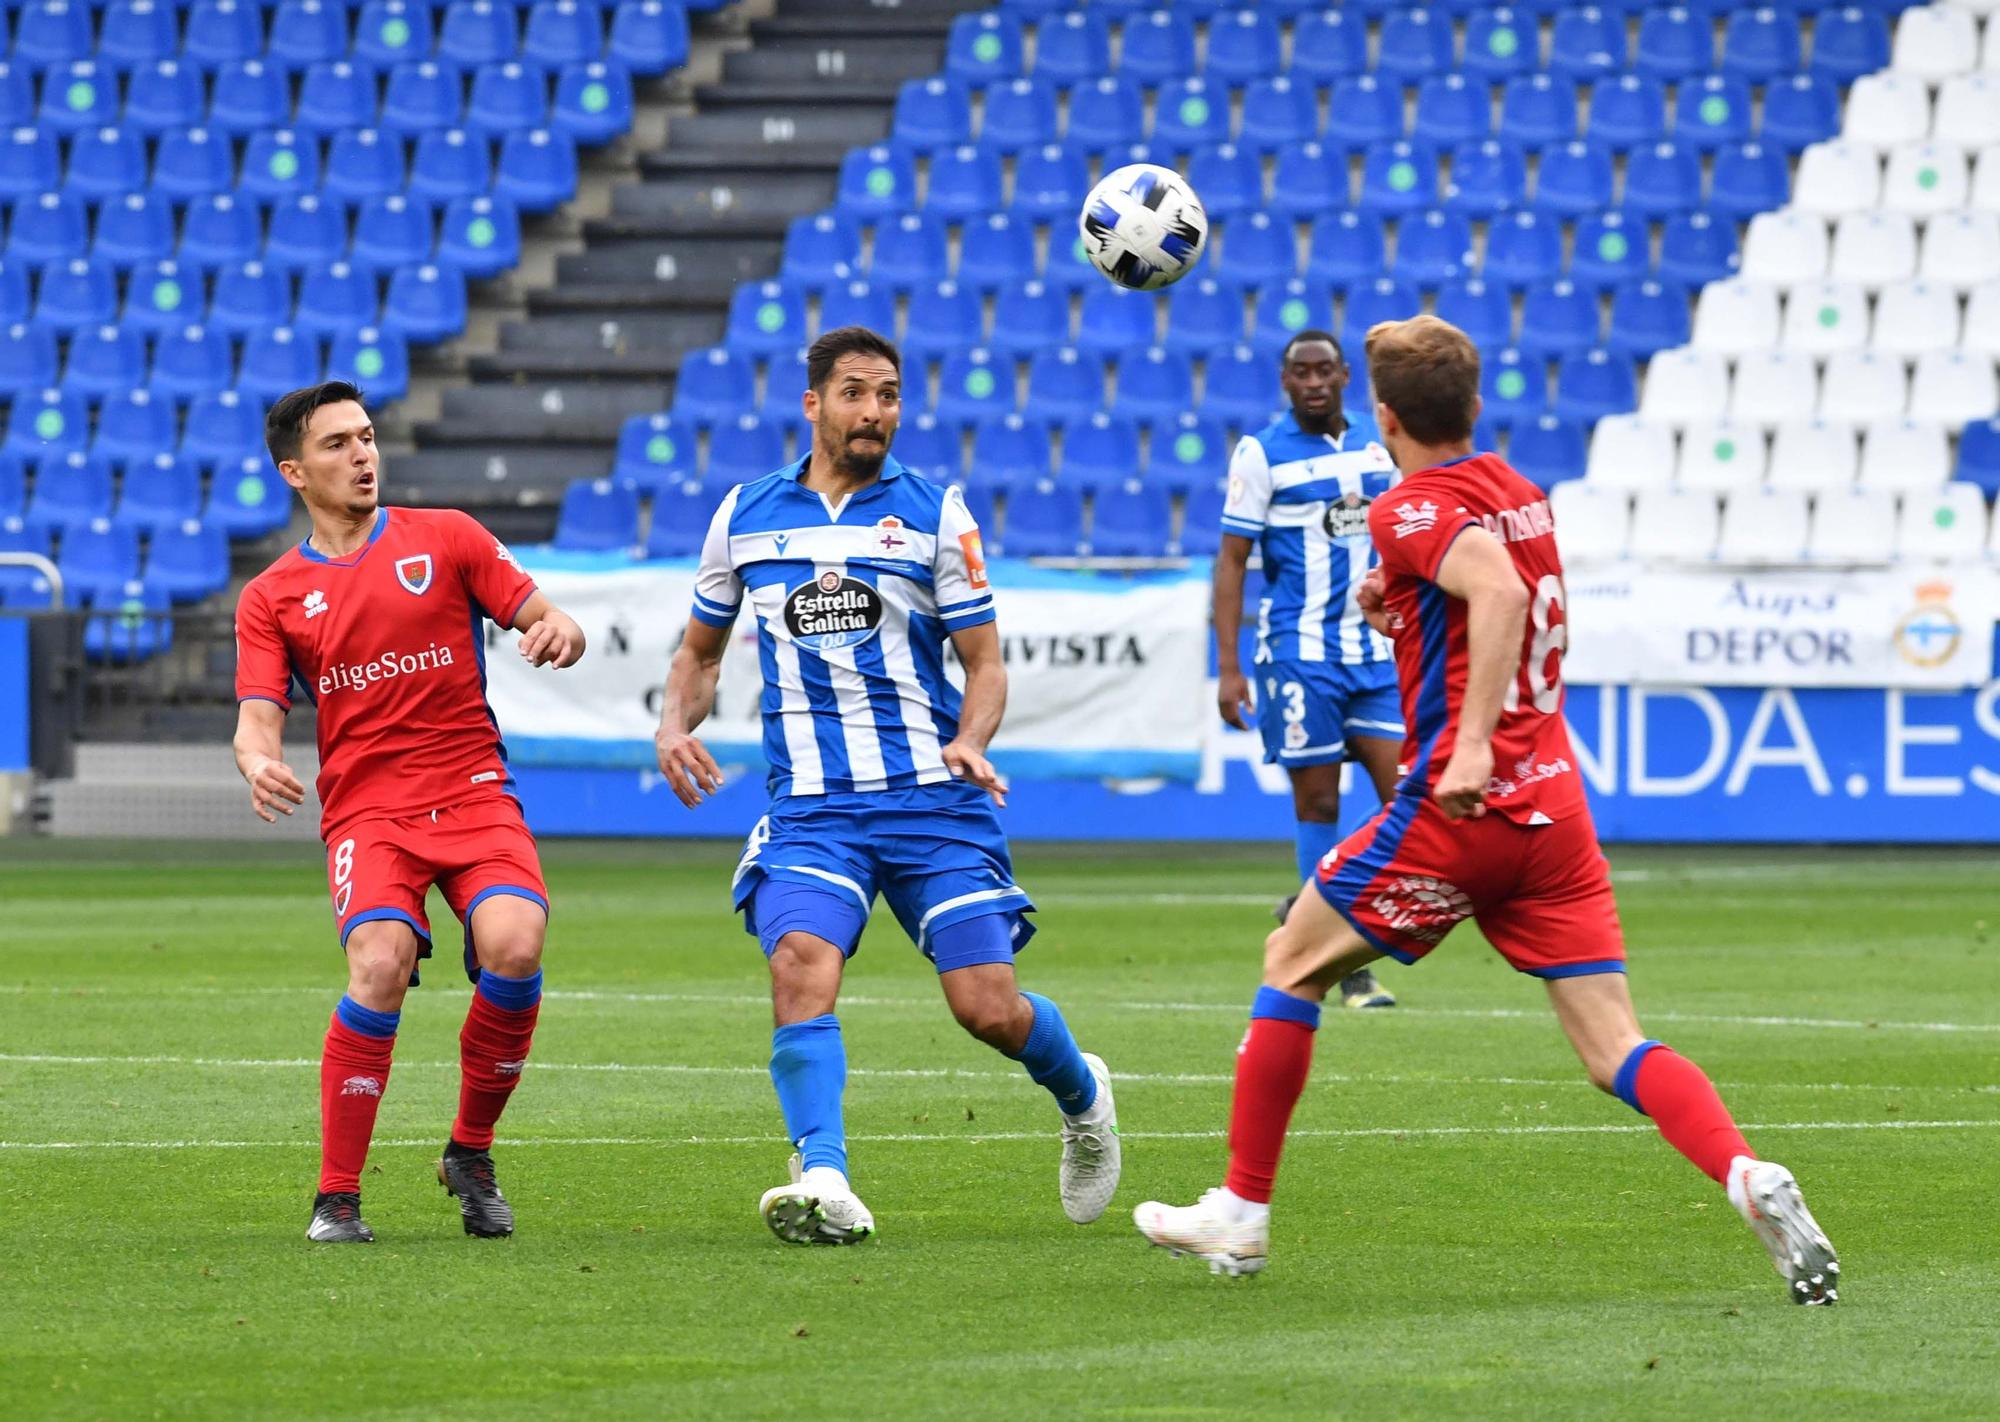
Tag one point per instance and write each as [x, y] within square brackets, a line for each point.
[1143, 226]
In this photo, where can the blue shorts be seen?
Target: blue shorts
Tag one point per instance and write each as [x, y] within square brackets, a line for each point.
[935, 852]
[1307, 710]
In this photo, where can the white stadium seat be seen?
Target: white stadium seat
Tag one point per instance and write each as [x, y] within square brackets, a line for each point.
[1985, 194]
[1912, 317]
[1886, 109]
[1630, 452]
[1673, 524]
[1593, 523]
[1721, 454]
[1934, 41]
[1813, 454]
[1854, 526]
[1968, 111]
[1863, 385]
[1824, 316]
[1785, 247]
[1685, 384]
[1773, 386]
[1874, 248]
[1982, 319]
[1946, 526]
[1961, 249]
[1763, 526]
[1836, 178]
[1993, 541]
[1924, 178]
[1904, 454]
[1736, 315]
[1953, 387]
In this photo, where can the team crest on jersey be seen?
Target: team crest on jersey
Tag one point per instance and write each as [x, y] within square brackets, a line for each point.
[889, 540]
[414, 573]
[1415, 518]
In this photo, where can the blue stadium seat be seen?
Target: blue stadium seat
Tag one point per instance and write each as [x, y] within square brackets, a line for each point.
[304, 231]
[1230, 180]
[1044, 520]
[537, 171]
[654, 453]
[278, 360]
[1257, 251]
[14, 303]
[1514, 389]
[943, 318]
[250, 296]
[192, 163]
[1020, 113]
[1106, 112]
[1800, 111]
[1558, 318]
[1329, 45]
[132, 426]
[97, 557]
[1647, 317]
[30, 163]
[934, 450]
[964, 182]
[1065, 384]
[187, 559]
[333, 297]
[854, 303]
[27, 359]
[1074, 47]
[1187, 450]
[136, 228]
[1549, 450]
[1008, 452]
[1501, 44]
[1575, 179]
[191, 361]
[70, 488]
[598, 516]
[449, 164]
[477, 32]
[1346, 247]
[506, 97]
[994, 251]
[481, 236]
[16, 534]
[425, 304]
[1848, 43]
[1479, 308]
[278, 164]
[130, 625]
[373, 359]
[562, 32]
[13, 495]
[49, 33]
[1154, 386]
[162, 96]
[1610, 248]
[913, 250]
[1050, 183]
[1415, 44]
[649, 37]
[1115, 320]
[221, 32]
[1243, 46]
[1384, 299]
[1364, 111]
[742, 449]
[250, 96]
[1712, 111]
[422, 95]
[593, 102]
[362, 164]
[1487, 178]
[1132, 518]
[1538, 110]
[933, 113]
[1190, 114]
[1978, 458]
[77, 293]
[822, 248]
[1451, 110]
[1695, 249]
[1028, 316]
[246, 498]
[1587, 44]
[1746, 179]
[1240, 387]
[391, 232]
[984, 48]
[1595, 384]
[1281, 312]
[1674, 45]
[222, 428]
[1158, 47]
[162, 488]
[682, 511]
[1400, 178]
[17, 95]
[1761, 45]
[1628, 112]
[303, 33]
[390, 32]
[105, 163]
[1309, 179]
[1433, 248]
[1201, 518]
[336, 94]
[714, 384]
[52, 227]
[877, 182]
[1662, 179]
[975, 385]
[78, 96]
[1277, 111]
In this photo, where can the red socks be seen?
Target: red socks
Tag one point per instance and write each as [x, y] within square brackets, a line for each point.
[1271, 1070]
[1658, 1082]
[353, 1074]
[493, 1049]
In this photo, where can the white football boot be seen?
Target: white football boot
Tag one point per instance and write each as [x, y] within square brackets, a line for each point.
[1092, 1155]
[1210, 1230]
[1767, 1197]
[818, 1207]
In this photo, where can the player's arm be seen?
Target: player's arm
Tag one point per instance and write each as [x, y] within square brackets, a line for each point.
[550, 635]
[689, 697]
[1477, 571]
[260, 759]
[1368, 596]
[1243, 515]
[979, 713]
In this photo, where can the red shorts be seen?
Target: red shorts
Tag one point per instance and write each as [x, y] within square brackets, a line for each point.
[1540, 893]
[379, 869]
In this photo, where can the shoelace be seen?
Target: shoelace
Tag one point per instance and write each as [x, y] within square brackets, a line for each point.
[1090, 1138]
[345, 1210]
[481, 1170]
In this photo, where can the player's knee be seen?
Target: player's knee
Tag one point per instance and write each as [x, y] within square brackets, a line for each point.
[516, 954]
[379, 965]
[1284, 967]
[801, 957]
[1317, 807]
[992, 1017]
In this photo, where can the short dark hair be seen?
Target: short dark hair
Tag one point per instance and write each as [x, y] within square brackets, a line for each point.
[1427, 371]
[285, 422]
[846, 340]
[1305, 338]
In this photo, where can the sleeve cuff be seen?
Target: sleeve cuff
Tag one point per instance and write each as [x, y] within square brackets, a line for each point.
[957, 611]
[520, 603]
[281, 702]
[969, 617]
[1249, 528]
[712, 614]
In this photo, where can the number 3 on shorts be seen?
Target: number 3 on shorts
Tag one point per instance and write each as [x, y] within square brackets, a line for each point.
[760, 835]
[343, 876]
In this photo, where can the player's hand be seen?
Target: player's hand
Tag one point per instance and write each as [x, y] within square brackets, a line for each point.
[1232, 696]
[687, 765]
[274, 787]
[1368, 597]
[968, 764]
[552, 640]
[1461, 791]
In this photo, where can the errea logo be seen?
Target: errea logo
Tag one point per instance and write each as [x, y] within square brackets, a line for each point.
[314, 603]
[1415, 518]
[506, 555]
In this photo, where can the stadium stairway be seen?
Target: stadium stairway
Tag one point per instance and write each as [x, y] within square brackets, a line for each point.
[157, 791]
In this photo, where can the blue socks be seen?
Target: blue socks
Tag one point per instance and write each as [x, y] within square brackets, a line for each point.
[510, 994]
[366, 1020]
[809, 1069]
[1313, 840]
[1281, 1006]
[1052, 1060]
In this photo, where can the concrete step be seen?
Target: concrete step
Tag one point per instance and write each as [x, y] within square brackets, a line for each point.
[134, 762]
[168, 809]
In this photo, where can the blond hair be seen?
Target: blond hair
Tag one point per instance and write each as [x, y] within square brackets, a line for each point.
[1427, 371]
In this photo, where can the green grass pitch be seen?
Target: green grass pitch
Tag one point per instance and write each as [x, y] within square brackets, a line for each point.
[1464, 1228]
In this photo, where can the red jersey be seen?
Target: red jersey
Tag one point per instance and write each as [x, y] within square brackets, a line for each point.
[1535, 778]
[389, 644]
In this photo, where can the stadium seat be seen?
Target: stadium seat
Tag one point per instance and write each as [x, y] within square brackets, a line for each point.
[1433, 248]
[1944, 526]
[1157, 46]
[1628, 112]
[682, 511]
[1594, 384]
[1450, 110]
[30, 164]
[1044, 520]
[1537, 111]
[220, 32]
[1398, 179]
[1513, 387]
[1712, 112]
[932, 449]
[422, 96]
[49, 33]
[561, 32]
[1049, 184]
[96, 555]
[1685, 385]
[162, 96]
[1853, 526]
[17, 96]
[1848, 43]
[304, 232]
[1073, 47]
[1735, 316]
[1202, 315]
[1308, 180]
[1480, 309]
[1587, 44]
[537, 170]
[984, 48]
[506, 97]
[14, 303]
[46, 229]
[649, 37]
[1926, 178]
[877, 182]
[1008, 452]
[1786, 248]
[911, 251]
[1761, 45]
[1154, 386]
[71, 488]
[1558, 318]
[187, 559]
[333, 297]
[27, 359]
[393, 32]
[1674, 45]
[221, 427]
[1746, 179]
[942, 318]
[1575, 179]
[1487, 179]
[1329, 45]
[1813, 454]
[1874, 248]
[1863, 385]
[854, 303]
[994, 251]
[1256, 251]
[1935, 42]
[391, 232]
[1982, 317]
[1951, 387]
[1281, 312]
[1187, 452]
[714, 385]
[1346, 248]
[1762, 527]
[1243, 46]
[1801, 110]
[1106, 112]
[653, 454]
[1961, 249]
[1721, 455]
[820, 249]
[1522, 247]
[78, 293]
[1886, 109]
[1647, 317]
[105, 163]
[1021, 113]
[373, 359]
[133, 230]
[1593, 523]
[279, 164]
[1979, 456]
[334, 95]
[1774, 386]
[1028, 316]
[425, 304]
[1116, 320]
[742, 449]
[304, 33]
[477, 32]
[1239, 388]
[131, 426]
[1501, 44]
[250, 296]
[250, 97]
[598, 516]
[364, 163]
[1630, 452]
[1065, 384]
[1696, 249]
[78, 96]
[192, 163]
[975, 386]
[481, 236]
[1131, 518]
[449, 164]
[1548, 450]
[1968, 111]
[160, 489]
[278, 360]
[1362, 112]
[1674, 525]
[1413, 45]
[1662, 179]
[933, 113]
[1188, 116]
[1276, 112]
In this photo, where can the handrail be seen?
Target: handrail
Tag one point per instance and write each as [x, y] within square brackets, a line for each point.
[45, 566]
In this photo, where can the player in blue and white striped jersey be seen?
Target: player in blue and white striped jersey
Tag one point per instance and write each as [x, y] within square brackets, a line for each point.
[858, 572]
[1325, 689]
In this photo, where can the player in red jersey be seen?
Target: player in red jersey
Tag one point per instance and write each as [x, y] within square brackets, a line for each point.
[1489, 823]
[378, 617]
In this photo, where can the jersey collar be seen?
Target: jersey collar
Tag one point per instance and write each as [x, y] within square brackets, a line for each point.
[1290, 421]
[892, 468]
[313, 555]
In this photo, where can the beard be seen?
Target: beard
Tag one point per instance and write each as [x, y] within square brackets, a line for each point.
[857, 463]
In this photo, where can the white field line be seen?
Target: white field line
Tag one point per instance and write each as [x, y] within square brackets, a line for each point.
[980, 1137]
[958, 1073]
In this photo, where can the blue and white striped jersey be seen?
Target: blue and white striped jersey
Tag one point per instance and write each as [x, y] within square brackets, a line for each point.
[854, 601]
[1304, 499]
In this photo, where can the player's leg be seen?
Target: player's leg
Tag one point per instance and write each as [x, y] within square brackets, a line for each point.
[1316, 806]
